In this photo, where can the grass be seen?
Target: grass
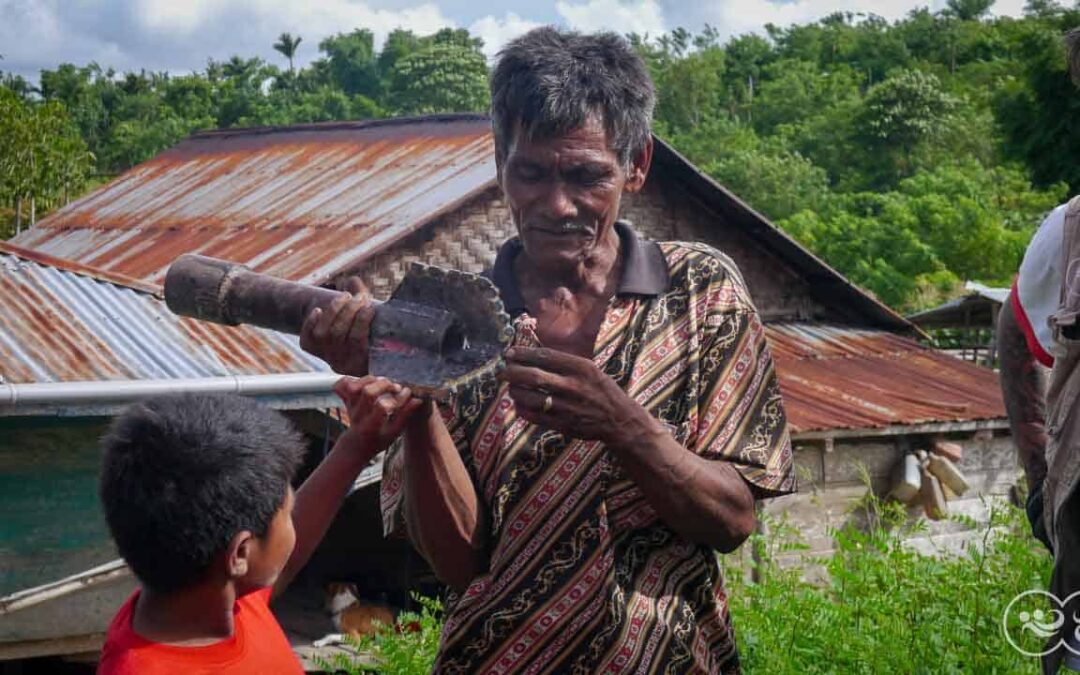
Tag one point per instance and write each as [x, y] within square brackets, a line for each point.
[885, 608]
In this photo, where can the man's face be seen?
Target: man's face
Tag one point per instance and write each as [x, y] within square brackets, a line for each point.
[564, 192]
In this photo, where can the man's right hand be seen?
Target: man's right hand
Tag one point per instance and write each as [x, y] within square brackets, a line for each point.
[339, 335]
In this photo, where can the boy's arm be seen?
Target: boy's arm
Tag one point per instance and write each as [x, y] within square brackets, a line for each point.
[378, 409]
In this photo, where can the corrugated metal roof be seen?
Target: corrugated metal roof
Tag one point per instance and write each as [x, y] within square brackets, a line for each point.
[307, 202]
[848, 378]
[299, 202]
[62, 322]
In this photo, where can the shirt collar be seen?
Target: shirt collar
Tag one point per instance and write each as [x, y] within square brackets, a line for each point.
[644, 272]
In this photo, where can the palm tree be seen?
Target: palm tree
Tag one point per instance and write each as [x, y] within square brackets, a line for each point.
[287, 45]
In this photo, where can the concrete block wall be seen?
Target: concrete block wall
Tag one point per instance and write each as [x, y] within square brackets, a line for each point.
[831, 485]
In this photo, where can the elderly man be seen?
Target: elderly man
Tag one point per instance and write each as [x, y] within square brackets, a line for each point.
[577, 503]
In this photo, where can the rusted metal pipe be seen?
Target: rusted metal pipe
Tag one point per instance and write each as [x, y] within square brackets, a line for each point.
[228, 293]
[439, 329]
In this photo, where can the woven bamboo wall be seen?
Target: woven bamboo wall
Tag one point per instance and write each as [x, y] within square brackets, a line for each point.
[666, 211]
[468, 239]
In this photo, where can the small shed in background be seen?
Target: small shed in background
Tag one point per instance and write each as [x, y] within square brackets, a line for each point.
[966, 326]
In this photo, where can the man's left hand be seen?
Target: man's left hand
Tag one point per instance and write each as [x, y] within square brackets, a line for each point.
[571, 395]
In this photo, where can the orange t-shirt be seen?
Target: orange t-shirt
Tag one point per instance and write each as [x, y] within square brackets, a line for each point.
[258, 645]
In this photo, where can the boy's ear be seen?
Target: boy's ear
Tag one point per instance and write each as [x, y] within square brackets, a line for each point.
[238, 554]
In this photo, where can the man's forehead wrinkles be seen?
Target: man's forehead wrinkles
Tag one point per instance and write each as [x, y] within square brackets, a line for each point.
[565, 157]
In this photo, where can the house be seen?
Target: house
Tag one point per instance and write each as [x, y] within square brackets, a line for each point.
[317, 203]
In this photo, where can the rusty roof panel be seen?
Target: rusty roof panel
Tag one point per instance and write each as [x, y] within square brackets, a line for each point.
[64, 322]
[848, 378]
[61, 322]
[299, 202]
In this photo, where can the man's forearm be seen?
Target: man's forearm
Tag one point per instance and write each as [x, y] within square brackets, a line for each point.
[1023, 390]
[705, 501]
[442, 509]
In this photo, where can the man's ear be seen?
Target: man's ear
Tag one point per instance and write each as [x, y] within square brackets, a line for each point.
[238, 554]
[639, 168]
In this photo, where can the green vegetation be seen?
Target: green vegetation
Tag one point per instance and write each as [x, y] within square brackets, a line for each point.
[883, 607]
[406, 649]
[886, 608]
[43, 160]
[911, 155]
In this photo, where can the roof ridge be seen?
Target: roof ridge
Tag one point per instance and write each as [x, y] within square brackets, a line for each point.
[80, 269]
[439, 118]
[783, 244]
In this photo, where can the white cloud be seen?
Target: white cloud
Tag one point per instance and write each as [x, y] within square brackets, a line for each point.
[266, 18]
[34, 35]
[621, 16]
[178, 17]
[497, 32]
[734, 17]
[179, 35]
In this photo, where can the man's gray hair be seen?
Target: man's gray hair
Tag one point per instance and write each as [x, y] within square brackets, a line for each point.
[1072, 49]
[549, 81]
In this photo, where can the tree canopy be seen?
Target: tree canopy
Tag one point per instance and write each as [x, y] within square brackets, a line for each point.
[911, 155]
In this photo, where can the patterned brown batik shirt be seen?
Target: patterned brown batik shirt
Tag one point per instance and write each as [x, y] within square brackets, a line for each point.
[583, 576]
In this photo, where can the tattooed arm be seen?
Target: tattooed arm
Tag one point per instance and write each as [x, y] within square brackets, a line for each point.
[1024, 392]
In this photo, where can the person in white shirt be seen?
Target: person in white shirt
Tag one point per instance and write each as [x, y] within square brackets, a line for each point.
[1036, 329]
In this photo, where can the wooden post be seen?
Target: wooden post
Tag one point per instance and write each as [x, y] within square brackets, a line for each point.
[967, 335]
[995, 311]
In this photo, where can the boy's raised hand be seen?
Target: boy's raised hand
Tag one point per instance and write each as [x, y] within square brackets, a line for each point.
[378, 410]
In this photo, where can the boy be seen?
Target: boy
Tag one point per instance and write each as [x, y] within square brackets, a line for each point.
[197, 495]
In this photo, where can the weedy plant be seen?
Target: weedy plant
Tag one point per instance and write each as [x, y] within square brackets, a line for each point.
[882, 606]
[406, 649]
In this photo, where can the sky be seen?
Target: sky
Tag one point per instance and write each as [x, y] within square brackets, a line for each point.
[180, 35]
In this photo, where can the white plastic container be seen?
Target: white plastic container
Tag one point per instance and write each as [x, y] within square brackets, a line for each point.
[907, 480]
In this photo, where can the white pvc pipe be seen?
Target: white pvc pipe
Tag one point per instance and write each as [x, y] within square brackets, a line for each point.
[14, 395]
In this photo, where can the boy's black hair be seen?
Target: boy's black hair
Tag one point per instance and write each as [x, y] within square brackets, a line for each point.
[182, 474]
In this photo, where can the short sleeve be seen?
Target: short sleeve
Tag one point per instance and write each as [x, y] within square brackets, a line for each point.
[1036, 293]
[741, 416]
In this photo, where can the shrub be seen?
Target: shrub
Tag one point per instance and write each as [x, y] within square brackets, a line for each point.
[410, 651]
[882, 607]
